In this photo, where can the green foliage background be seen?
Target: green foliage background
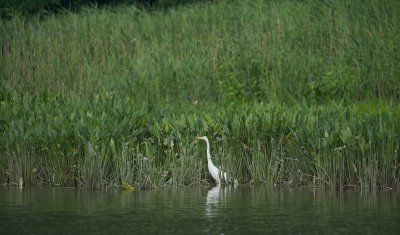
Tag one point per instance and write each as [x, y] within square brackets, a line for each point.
[295, 92]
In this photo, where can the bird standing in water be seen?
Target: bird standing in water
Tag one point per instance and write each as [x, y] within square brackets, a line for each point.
[219, 175]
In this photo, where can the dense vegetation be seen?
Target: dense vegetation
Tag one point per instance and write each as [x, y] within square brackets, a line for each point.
[299, 93]
[10, 8]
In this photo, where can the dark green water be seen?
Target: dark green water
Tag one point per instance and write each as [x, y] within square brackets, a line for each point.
[241, 210]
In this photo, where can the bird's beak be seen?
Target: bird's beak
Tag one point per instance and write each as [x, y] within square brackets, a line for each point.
[197, 137]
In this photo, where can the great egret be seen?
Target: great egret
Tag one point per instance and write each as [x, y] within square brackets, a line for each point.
[219, 175]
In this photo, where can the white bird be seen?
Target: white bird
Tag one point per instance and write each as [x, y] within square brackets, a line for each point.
[219, 175]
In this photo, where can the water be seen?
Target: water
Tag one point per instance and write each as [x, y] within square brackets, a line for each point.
[241, 210]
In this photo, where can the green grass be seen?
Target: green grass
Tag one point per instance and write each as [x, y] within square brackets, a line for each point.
[104, 141]
[297, 93]
[226, 51]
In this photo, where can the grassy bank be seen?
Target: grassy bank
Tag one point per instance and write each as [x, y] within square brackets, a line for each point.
[104, 141]
[226, 51]
[299, 93]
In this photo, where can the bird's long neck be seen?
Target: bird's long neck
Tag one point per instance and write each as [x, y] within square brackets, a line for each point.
[208, 151]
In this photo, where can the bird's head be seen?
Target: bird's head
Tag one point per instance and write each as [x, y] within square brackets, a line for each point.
[202, 138]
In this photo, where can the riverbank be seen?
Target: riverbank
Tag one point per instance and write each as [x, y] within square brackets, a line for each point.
[302, 94]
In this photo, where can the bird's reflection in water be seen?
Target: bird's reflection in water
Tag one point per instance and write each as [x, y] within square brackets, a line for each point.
[216, 197]
[213, 195]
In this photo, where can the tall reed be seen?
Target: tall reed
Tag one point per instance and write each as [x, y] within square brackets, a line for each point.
[297, 93]
[225, 51]
[105, 141]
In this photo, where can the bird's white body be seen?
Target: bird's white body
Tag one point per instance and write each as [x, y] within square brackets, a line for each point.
[219, 175]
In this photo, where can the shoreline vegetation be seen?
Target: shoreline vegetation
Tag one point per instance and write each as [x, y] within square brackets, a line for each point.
[290, 93]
